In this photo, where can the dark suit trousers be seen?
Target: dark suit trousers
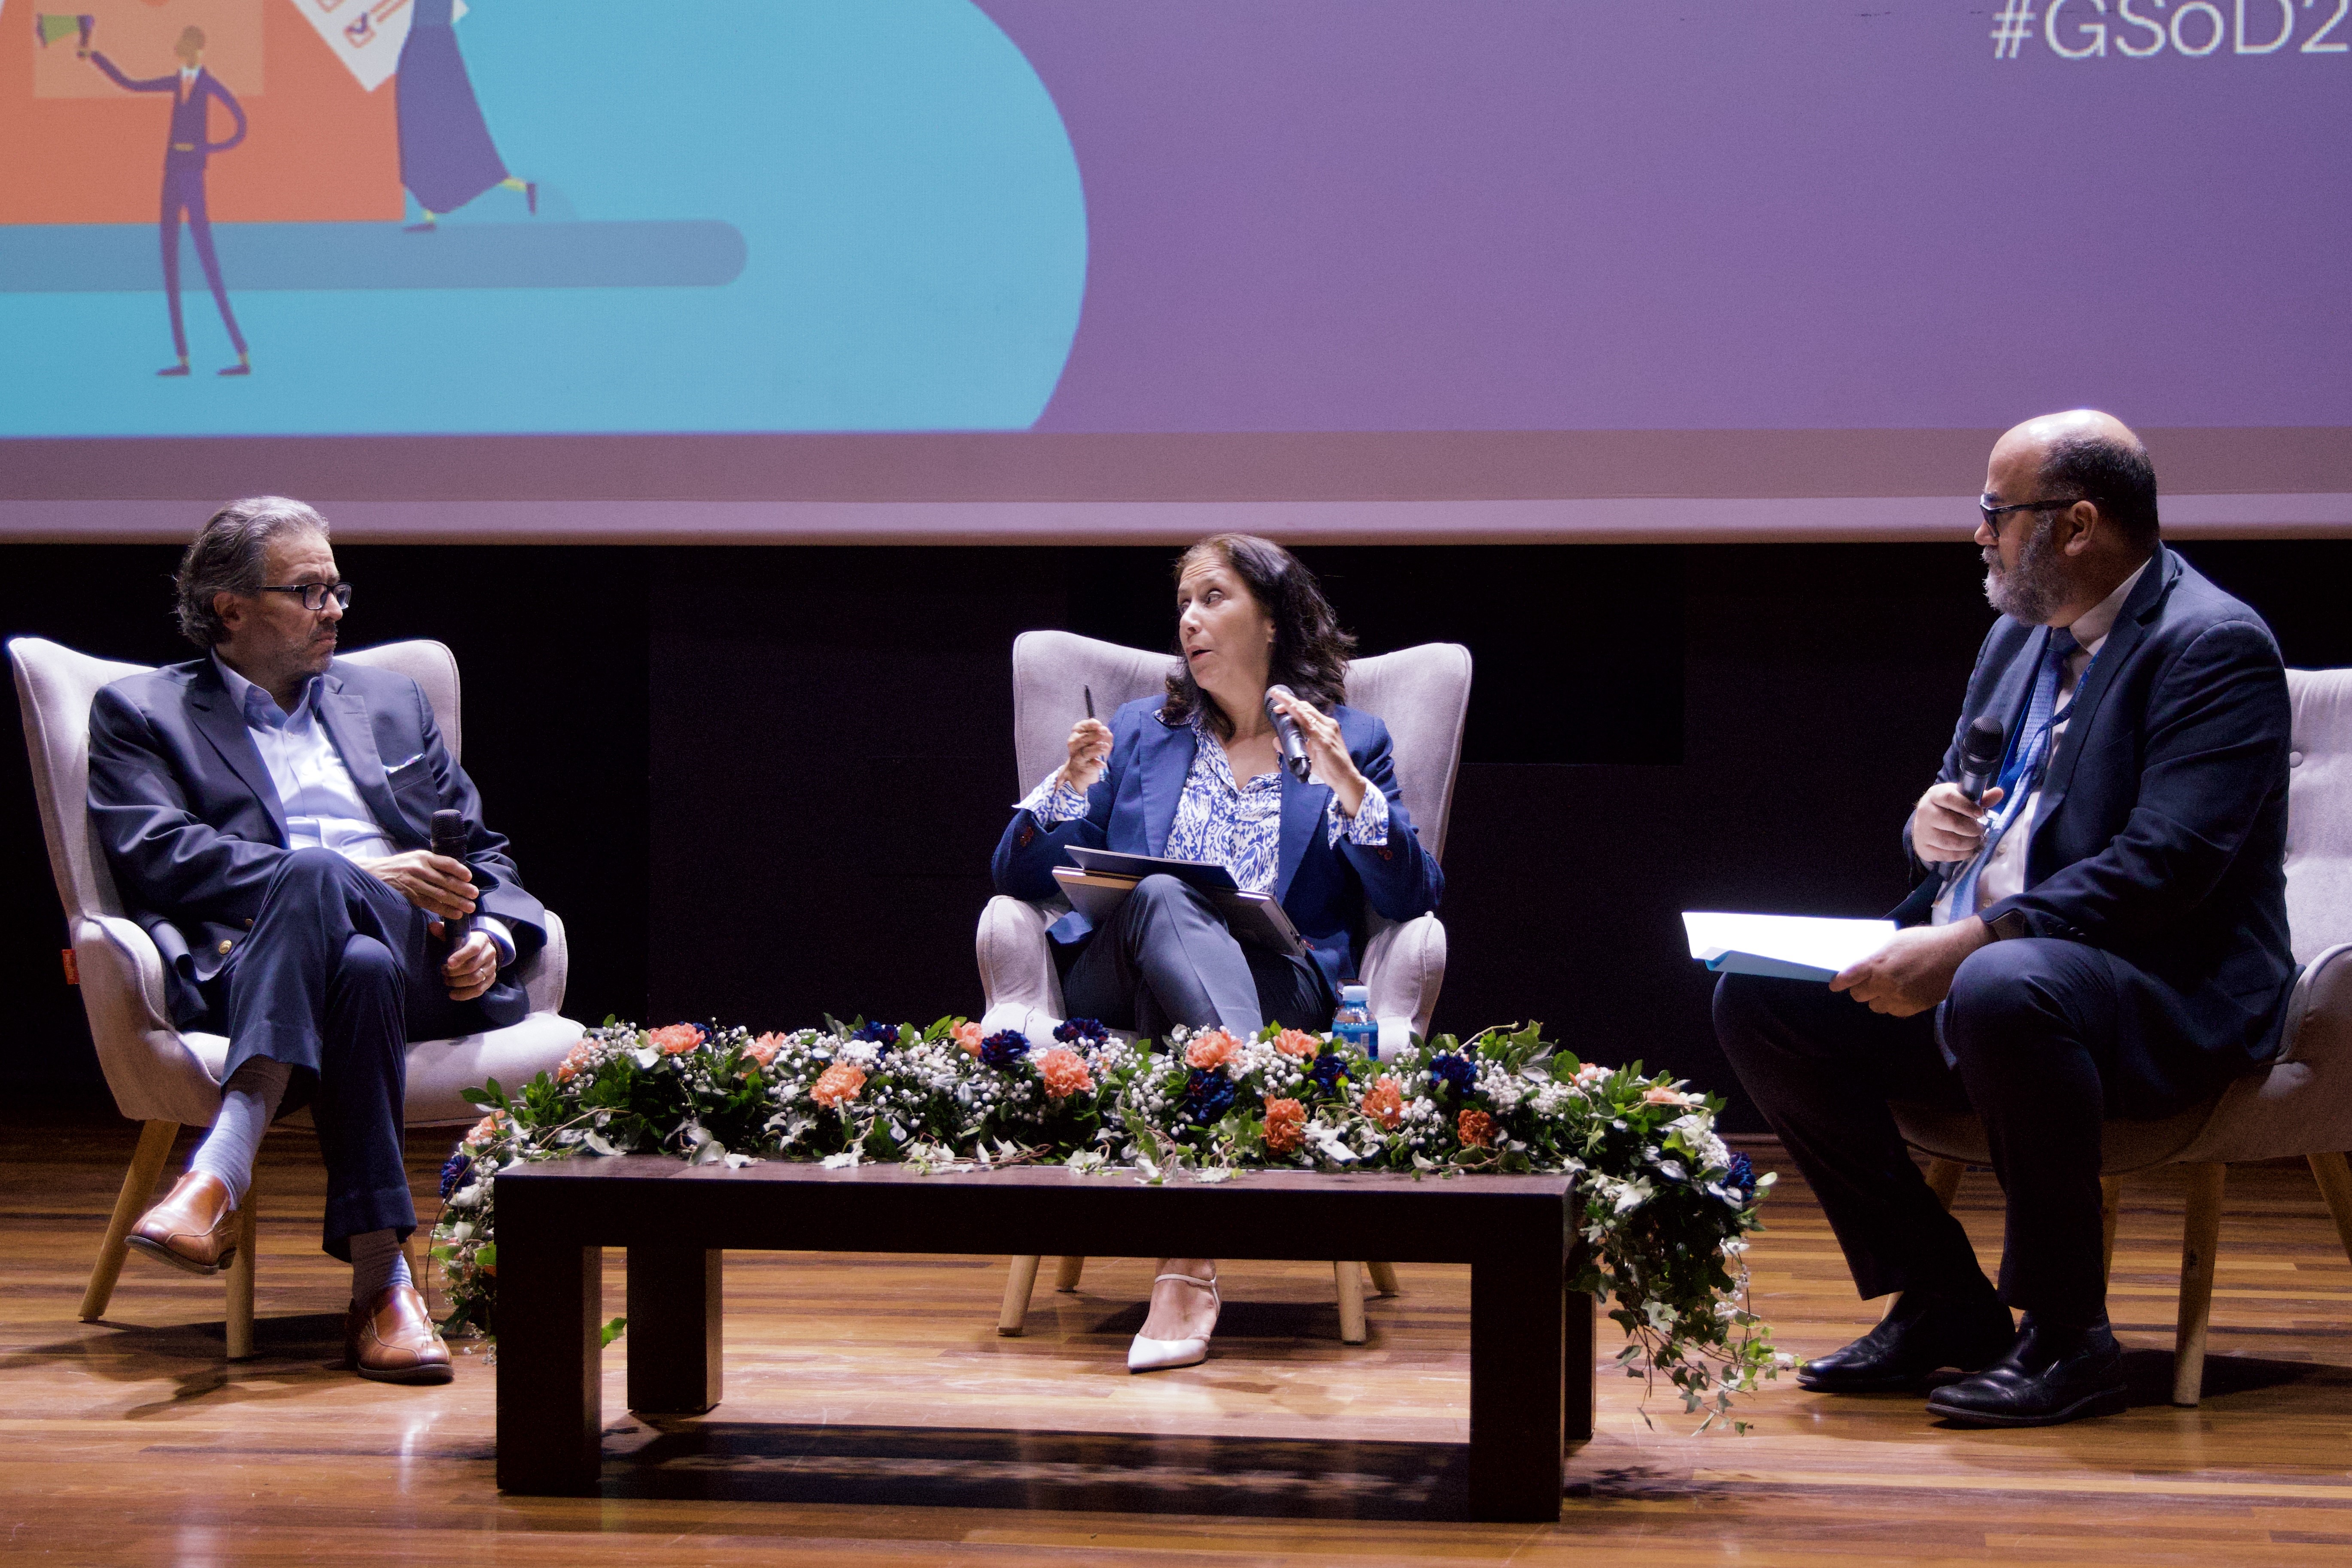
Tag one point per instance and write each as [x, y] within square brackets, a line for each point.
[184, 190]
[2051, 1038]
[1166, 958]
[338, 974]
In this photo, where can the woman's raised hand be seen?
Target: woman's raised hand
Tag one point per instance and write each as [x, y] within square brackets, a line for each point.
[1090, 754]
[1327, 752]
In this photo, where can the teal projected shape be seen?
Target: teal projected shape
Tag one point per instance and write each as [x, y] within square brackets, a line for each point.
[827, 214]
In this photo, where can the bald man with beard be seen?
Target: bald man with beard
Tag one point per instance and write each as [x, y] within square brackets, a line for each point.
[2103, 935]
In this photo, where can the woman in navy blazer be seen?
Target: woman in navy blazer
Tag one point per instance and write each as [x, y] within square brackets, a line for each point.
[1196, 776]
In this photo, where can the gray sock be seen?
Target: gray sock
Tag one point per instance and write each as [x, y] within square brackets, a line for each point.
[249, 1103]
[377, 1260]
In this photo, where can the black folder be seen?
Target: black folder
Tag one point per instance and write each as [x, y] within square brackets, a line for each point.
[1102, 879]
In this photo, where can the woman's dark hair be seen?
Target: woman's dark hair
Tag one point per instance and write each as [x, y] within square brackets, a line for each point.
[225, 557]
[1310, 651]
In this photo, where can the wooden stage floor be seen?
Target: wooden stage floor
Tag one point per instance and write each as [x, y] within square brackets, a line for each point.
[874, 1417]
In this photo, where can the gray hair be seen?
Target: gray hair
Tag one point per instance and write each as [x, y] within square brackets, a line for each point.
[225, 557]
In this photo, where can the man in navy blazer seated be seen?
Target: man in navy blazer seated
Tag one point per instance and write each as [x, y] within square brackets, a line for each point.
[2103, 934]
[266, 811]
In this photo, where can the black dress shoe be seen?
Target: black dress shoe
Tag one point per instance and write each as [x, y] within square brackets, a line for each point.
[2054, 1374]
[1926, 1333]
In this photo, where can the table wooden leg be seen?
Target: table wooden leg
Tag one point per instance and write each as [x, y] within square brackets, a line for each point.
[551, 1384]
[1520, 1376]
[675, 1343]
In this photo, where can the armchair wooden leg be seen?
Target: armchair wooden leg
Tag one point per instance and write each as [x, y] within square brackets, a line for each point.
[1350, 1277]
[138, 1191]
[1384, 1278]
[2335, 1178]
[1014, 1315]
[1944, 1179]
[239, 1327]
[1065, 1273]
[2111, 1209]
[2199, 1238]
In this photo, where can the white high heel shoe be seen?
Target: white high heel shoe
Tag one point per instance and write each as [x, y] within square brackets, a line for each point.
[1158, 1355]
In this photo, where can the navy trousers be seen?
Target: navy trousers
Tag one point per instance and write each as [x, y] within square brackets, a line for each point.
[2052, 1038]
[1166, 958]
[338, 974]
[184, 190]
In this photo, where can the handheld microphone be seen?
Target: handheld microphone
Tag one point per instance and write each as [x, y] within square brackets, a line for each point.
[449, 838]
[1286, 730]
[1979, 757]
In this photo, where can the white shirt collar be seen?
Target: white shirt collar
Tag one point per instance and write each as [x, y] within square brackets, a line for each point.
[2091, 626]
[245, 694]
[188, 73]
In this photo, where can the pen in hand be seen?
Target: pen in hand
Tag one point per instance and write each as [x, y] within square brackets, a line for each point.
[1090, 700]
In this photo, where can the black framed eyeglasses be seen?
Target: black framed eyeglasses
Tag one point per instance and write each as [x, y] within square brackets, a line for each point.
[1993, 514]
[315, 595]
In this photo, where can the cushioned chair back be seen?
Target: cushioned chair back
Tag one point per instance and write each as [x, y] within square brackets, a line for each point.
[2320, 810]
[55, 686]
[1422, 694]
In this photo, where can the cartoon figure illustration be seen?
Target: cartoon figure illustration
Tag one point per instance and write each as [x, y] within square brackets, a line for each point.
[446, 156]
[194, 89]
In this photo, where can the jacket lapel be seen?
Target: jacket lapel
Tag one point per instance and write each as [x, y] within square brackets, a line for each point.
[345, 715]
[218, 720]
[1302, 809]
[1167, 759]
[2154, 585]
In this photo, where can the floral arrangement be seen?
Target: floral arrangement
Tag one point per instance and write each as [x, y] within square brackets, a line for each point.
[1667, 1207]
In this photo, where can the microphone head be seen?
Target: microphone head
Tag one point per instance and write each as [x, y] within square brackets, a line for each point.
[1981, 749]
[448, 827]
[1277, 689]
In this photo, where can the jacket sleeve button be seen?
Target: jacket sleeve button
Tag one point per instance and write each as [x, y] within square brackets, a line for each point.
[225, 945]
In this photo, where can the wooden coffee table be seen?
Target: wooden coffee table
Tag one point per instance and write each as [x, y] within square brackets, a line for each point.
[1531, 1345]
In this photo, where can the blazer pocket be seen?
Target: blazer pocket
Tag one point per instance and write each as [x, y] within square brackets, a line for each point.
[398, 768]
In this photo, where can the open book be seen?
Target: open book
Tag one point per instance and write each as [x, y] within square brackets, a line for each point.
[1787, 947]
[1102, 879]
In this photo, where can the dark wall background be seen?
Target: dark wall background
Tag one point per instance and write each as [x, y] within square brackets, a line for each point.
[762, 785]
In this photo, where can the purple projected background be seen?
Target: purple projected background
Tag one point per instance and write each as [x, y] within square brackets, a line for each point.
[1390, 214]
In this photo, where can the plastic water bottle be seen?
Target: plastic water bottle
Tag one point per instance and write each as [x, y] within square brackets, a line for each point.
[1354, 1023]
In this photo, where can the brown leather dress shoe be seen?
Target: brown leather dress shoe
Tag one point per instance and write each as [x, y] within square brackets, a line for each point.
[195, 1228]
[393, 1340]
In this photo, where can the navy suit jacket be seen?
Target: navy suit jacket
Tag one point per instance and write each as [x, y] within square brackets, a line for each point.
[2162, 828]
[1322, 887]
[189, 129]
[192, 827]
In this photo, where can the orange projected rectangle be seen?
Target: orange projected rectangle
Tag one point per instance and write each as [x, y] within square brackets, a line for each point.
[318, 148]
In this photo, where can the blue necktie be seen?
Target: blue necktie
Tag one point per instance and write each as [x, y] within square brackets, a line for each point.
[2022, 773]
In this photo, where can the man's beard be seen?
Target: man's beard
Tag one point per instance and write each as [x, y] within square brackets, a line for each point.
[2033, 588]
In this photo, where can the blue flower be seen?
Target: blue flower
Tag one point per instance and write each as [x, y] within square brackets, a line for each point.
[1208, 1095]
[454, 1174]
[1458, 1071]
[1328, 1074]
[883, 1035]
[1071, 1031]
[1003, 1049]
[1742, 1175]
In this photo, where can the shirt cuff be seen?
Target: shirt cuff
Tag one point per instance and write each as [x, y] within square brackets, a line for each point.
[1369, 827]
[1054, 802]
[500, 938]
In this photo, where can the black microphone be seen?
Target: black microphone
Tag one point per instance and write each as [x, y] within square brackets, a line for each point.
[1980, 751]
[449, 838]
[1286, 730]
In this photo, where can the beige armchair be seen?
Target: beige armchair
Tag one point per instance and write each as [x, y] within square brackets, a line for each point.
[2301, 1104]
[1421, 694]
[167, 1079]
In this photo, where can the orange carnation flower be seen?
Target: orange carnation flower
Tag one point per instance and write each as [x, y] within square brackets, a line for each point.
[968, 1035]
[837, 1083]
[1065, 1072]
[763, 1049]
[1286, 1124]
[574, 1061]
[486, 1129]
[1214, 1049]
[675, 1040]
[1296, 1043]
[1477, 1130]
[1384, 1103]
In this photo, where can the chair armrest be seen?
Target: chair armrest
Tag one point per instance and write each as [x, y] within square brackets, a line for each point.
[1017, 963]
[1404, 966]
[150, 1069]
[2322, 994]
[546, 973]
